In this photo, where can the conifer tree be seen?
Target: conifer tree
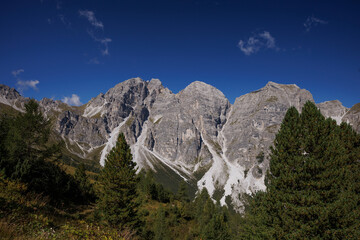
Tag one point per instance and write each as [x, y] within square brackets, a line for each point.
[119, 200]
[217, 228]
[86, 188]
[29, 156]
[313, 182]
[26, 141]
[161, 231]
[182, 191]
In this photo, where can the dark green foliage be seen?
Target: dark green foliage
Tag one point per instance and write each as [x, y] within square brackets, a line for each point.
[152, 190]
[260, 157]
[119, 199]
[182, 191]
[211, 219]
[313, 182]
[5, 163]
[217, 228]
[25, 140]
[86, 188]
[27, 155]
[161, 228]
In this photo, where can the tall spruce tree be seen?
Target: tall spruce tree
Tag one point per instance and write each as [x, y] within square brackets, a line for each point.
[118, 179]
[313, 182]
[26, 140]
[28, 155]
[86, 188]
[161, 231]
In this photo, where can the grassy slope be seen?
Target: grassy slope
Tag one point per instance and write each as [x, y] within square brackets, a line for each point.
[26, 215]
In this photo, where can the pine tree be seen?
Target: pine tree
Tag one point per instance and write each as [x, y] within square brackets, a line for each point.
[217, 228]
[313, 182]
[161, 231]
[86, 188]
[28, 155]
[26, 141]
[119, 200]
[182, 191]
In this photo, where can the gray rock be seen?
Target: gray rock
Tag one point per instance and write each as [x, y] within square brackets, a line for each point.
[9, 96]
[353, 117]
[333, 109]
[195, 134]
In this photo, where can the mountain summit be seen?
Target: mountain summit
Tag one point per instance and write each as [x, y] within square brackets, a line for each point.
[195, 135]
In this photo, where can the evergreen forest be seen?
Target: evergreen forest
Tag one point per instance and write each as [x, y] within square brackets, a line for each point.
[312, 188]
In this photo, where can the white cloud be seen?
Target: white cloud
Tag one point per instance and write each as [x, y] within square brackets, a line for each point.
[15, 73]
[270, 40]
[25, 84]
[104, 41]
[73, 100]
[90, 15]
[313, 22]
[256, 42]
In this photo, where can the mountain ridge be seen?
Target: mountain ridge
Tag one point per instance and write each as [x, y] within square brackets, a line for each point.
[195, 134]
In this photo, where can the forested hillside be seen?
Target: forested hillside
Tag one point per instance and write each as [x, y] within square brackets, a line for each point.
[312, 189]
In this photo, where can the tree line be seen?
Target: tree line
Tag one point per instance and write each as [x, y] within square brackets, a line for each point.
[312, 185]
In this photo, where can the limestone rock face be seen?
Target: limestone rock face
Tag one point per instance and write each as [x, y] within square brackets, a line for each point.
[180, 122]
[251, 126]
[353, 117]
[11, 97]
[256, 117]
[333, 109]
[196, 134]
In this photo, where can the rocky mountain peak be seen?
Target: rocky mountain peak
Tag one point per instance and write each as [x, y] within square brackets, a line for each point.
[11, 97]
[9, 93]
[202, 88]
[196, 135]
[278, 85]
[333, 109]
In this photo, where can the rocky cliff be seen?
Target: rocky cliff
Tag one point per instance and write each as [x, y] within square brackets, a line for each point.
[195, 135]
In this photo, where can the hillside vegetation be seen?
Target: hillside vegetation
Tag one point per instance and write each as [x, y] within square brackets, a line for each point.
[313, 189]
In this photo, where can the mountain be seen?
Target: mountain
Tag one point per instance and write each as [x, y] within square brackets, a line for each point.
[195, 135]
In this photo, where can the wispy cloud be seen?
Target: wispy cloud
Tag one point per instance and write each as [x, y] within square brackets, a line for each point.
[15, 73]
[313, 22]
[269, 40]
[26, 84]
[90, 16]
[94, 61]
[73, 100]
[257, 42]
[64, 20]
[23, 85]
[104, 41]
[96, 24]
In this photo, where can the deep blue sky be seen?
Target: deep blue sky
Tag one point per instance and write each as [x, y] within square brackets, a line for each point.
[236, 46]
